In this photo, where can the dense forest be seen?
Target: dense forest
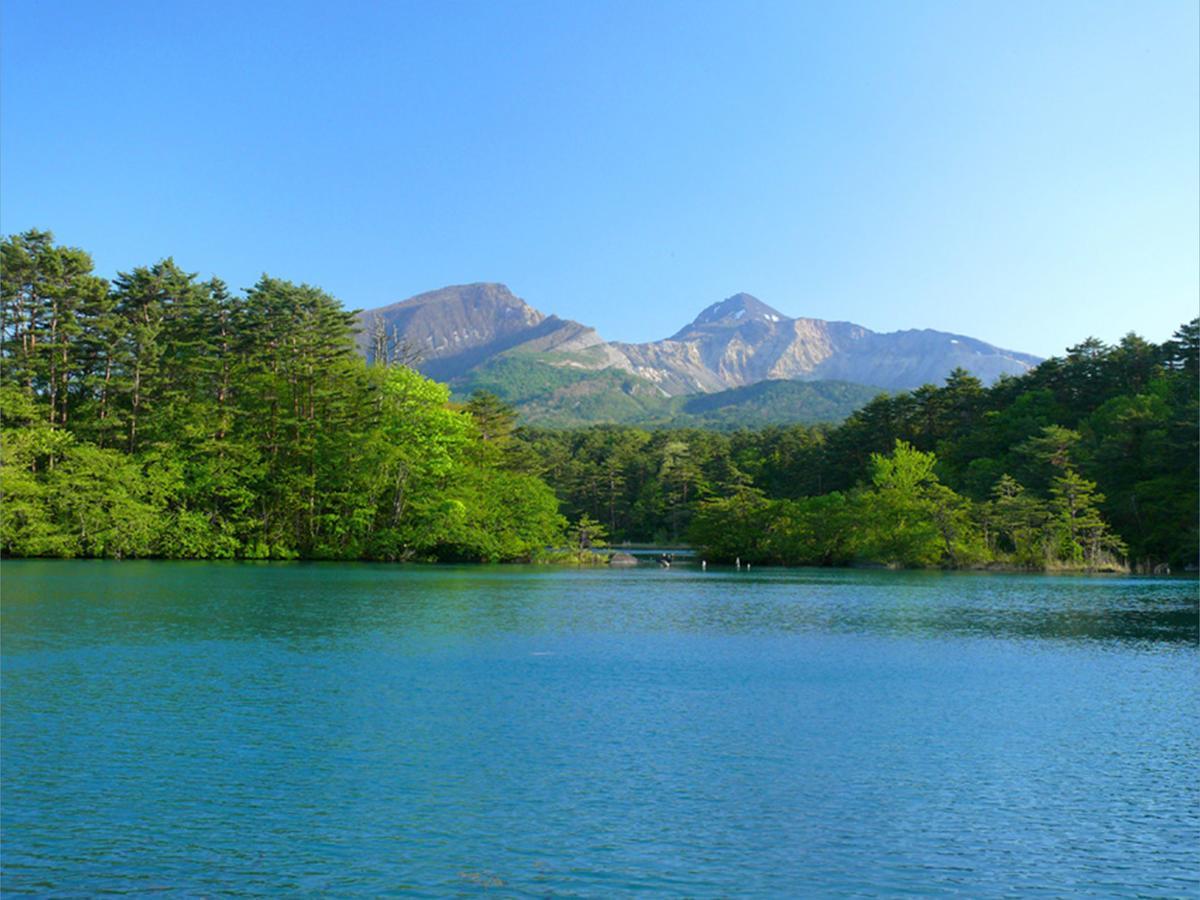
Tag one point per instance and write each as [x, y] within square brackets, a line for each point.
[164, 415]
[1083, 462]
[161, 415]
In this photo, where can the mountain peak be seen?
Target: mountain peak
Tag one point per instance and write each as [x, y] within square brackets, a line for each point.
[479, 293]
[738, 308]
[737, 341]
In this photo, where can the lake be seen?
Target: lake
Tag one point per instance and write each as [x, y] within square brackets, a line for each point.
[204, 728]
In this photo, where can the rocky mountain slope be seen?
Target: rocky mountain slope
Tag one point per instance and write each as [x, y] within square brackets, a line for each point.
[742, 341]
[454, 329]
[482, 334]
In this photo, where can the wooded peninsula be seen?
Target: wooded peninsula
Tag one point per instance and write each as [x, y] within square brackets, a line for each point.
[160, 415]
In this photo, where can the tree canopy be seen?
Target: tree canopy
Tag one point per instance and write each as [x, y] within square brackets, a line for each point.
[165, 415]
[162, 415]
[1085, 460]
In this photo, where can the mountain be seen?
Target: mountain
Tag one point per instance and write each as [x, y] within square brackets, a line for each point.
[742, 341]
[479, 336]
[457, 328]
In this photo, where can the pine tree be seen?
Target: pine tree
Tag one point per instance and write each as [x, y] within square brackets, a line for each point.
[1078, 532]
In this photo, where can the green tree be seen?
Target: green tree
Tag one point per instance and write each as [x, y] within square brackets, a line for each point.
[682, 484]
[732, 527]
[1079, 534]
[910, 518]
[1016, 522]
[587, 534]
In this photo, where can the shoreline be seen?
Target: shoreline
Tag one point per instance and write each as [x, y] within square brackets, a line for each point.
[601, 561]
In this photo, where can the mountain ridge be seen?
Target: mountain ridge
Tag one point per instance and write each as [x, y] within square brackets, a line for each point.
[732, 343]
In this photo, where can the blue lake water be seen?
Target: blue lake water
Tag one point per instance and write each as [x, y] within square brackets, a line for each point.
[202, 728]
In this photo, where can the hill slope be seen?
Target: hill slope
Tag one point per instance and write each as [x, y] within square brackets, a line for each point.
[554, 396]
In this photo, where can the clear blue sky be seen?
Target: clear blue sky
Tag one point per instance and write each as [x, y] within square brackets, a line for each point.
[1023, 172]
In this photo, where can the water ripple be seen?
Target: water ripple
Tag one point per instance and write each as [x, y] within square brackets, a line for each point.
[197, 729]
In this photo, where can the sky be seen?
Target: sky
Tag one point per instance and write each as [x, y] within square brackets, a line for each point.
[1027, 173]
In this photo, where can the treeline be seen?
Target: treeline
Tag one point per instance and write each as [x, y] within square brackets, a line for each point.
[163, 415]
[1086, 460]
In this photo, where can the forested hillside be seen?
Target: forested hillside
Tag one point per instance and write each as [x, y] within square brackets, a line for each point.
[1085, 460]
[161, 415]
[549, 395]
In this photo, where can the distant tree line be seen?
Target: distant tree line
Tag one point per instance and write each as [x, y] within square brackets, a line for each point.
[1084, 461]
[163, 415]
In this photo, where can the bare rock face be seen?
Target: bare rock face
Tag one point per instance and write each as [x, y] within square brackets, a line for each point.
[458, 327]
[738, 341]
[676, 367]
[742, 341]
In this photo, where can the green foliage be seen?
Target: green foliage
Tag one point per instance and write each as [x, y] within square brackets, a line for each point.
[1014, 524]
[162, 416]
[517, 377]
[586, 534]
[771, 403]
[494, 516]
[558, 391]
[819, 531]
[909, 518]
[1082, 461]
[731, 527]
[1079, 534]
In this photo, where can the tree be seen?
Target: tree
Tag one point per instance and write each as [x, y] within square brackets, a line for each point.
[587, 534]
[681, 482]
[1015, 521]
[46, 294]
[1046, 455]
[820, 531]
[910, 518]
[1078, 532]
[1182, 352]
[732, 526]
